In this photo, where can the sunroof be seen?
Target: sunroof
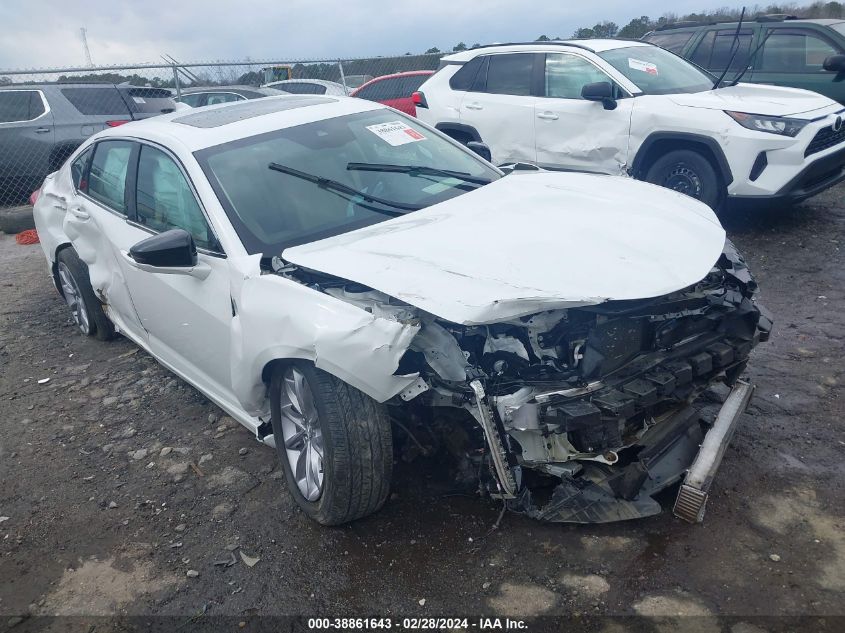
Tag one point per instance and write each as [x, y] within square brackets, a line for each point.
[248, 110]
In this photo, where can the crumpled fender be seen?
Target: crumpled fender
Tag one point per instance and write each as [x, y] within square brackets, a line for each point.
[277, 318]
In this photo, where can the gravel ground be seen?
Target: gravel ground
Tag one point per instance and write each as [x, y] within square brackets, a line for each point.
[124, 491]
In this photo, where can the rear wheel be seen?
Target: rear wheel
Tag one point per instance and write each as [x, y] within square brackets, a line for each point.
[334, 443]
[85, 307]
[689, 173]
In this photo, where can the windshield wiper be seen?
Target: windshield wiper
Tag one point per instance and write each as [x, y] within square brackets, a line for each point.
[751, 60]
[734, 50]
[338, 187]
[418, 170]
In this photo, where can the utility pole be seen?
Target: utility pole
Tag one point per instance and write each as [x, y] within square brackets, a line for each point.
[84, 33]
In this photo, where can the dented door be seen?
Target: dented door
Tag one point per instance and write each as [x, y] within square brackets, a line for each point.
[573, 133]
[95, 222]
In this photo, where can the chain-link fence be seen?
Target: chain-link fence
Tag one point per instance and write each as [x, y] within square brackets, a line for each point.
[47, 113]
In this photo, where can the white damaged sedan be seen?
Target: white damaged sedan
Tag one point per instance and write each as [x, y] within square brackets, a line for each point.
[322, 268]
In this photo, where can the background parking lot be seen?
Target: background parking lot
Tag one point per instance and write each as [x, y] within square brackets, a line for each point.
[117, 480]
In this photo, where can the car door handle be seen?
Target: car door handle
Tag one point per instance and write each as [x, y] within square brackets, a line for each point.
[42, 130]
[549, 116]
[79, 213]
[474, 106]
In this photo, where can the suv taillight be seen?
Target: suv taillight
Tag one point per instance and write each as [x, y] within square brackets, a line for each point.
[116, 123]
[419, 99]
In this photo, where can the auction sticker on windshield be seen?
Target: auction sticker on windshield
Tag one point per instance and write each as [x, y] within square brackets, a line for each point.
[396, 133]
[646, 67]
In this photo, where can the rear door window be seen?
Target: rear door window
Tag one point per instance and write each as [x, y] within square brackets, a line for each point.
[795, 51]
[510, 74]
[715, 49]
[107, 175]
[79, 168]
[20, 105]
[96, 101]
[674, 42]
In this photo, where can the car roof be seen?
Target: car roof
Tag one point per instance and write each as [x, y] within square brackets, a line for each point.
[322, 82]
[196, 89]
[595, 46]
[199, 128]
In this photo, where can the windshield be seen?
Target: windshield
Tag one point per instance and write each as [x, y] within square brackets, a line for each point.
[320, 179]
[656, 71]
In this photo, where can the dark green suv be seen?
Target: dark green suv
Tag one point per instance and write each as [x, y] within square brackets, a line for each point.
[780, 50]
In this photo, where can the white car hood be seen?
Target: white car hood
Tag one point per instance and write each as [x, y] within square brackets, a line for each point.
[760, 99]
[528, 243]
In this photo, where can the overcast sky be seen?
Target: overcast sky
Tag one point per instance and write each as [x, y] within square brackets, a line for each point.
[38, 33]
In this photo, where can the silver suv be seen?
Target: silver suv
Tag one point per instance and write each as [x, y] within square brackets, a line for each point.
[42, 124]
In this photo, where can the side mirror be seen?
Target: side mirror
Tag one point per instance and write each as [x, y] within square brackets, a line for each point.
[600, 91]
[171, 253]
[834, 63]
[482, 149]
[173, 248]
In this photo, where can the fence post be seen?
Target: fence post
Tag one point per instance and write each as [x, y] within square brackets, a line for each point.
[342, 77]
[176, 81]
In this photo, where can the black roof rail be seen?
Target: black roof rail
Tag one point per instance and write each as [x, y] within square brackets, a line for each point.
[775, 17]
[535, 43]
[681, 25]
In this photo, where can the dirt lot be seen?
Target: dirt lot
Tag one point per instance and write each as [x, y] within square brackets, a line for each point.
[117, 479]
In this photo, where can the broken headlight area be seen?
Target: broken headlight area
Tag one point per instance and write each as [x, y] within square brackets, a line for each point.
[583, 414]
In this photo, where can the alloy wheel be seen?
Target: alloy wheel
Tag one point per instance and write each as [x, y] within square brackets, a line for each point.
[302, 434]
[73, 297]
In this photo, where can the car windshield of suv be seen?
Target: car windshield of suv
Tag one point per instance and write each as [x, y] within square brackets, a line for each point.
[656, 71]
[320, 179]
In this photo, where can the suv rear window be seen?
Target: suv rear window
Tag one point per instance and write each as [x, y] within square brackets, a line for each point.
[96, 101]
[462, 80]
[674, 42]
[148, 100]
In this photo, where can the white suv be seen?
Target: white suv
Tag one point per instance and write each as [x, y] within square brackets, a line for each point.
[623, 107]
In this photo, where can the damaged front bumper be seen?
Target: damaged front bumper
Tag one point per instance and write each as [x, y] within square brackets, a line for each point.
[680, 445]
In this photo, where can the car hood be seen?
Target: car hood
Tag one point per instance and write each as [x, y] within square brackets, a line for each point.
[760, 99]
[528, 243]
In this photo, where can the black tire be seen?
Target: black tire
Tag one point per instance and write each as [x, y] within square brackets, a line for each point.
[690, 173]
[357, 446]
[98, 324]
[16, 219]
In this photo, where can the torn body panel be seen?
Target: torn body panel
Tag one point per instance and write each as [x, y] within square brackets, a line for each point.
[277, 318]
[600, 399]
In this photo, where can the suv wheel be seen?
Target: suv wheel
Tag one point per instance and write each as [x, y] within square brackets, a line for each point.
[690, 173]
[334, 442]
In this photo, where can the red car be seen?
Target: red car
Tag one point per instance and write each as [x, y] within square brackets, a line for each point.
[394, 90]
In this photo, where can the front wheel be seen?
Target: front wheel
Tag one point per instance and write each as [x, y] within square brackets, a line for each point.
[690, 173]
[334, 442]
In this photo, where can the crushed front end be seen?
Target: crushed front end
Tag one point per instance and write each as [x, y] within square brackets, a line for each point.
[598, 399]
[580, 414]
